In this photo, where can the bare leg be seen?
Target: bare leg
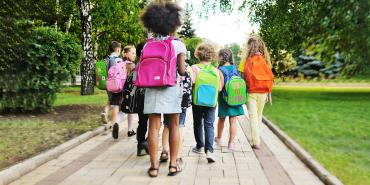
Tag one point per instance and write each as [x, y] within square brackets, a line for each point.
[165, 137]
[154, 126]
[181, 130]
[130, 121]
[233, 122]
[114, 114]
[174, 139]
[220, 127]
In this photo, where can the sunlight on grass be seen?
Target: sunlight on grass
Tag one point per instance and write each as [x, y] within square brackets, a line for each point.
[333, 124]
[71, 96]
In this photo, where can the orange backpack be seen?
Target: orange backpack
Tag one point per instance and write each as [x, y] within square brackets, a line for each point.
[258, 75]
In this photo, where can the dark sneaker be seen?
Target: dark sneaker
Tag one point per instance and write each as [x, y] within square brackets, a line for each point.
[115, 131]
[198, 150]
[142, 149]
[131, 133]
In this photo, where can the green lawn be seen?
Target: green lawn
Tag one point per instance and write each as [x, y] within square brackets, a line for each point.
[25, 135]
[71, 96]
[333, 124]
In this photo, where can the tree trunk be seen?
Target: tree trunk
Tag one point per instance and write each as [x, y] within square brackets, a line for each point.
[69, 23]
[87, 66]
[96, 44]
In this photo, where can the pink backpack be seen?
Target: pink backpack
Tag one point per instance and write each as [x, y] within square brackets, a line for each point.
[157, 66]
[116, 77]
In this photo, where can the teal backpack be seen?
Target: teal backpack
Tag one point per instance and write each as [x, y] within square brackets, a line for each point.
[101, 74]
[206, 88]
[235, 88]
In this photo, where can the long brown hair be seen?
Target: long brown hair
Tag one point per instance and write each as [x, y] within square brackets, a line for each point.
[254, 45]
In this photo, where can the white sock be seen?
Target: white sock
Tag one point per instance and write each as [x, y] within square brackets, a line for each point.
[130, 120]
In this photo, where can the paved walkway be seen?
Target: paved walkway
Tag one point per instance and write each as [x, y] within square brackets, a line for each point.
[101, 160]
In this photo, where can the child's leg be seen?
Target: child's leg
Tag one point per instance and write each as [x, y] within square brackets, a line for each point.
[154, 126]
[233, 125]
[106, 108]
[142, 127]
[130, 121]
[198, 126]
[261, 100]
[165, 135]
[220, 127]
[174, 138]
[165, 140]
[115, 110]
[209, 119]
[182, 119]
[253, 117]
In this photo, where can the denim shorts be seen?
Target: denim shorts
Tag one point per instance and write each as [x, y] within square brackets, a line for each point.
[182, 119]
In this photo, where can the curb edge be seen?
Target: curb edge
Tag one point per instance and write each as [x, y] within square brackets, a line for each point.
[12, 173]
[324, 175]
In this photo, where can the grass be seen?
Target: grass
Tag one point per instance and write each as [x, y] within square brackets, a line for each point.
[25, 135]
[364, 78]
[71, 96]
[333, 124]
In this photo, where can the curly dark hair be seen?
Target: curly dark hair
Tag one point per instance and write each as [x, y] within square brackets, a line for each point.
[162, 18]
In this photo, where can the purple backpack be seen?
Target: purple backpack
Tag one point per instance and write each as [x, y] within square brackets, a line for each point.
[116, 77]
[157, 65]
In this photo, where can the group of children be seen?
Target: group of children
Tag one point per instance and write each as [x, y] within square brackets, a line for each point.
[163, 84]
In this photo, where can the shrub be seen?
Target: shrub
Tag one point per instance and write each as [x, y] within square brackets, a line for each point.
[46, 59]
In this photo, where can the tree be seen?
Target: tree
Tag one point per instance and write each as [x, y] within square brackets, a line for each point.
[334, 25]
[191, 44]
[187, 30]
[87, 66]
[235, 48]
[116, 20]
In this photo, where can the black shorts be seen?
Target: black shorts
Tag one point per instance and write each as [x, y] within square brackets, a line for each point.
[115, 98]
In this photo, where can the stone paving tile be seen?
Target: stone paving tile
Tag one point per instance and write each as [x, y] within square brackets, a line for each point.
[118, 164]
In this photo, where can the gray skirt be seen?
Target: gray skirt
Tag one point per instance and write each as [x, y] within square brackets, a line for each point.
[163, 100]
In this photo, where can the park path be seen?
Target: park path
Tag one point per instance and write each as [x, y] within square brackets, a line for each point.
[104, 161]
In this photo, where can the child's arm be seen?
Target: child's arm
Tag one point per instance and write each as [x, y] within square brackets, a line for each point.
[181, 63]
[129, 68]
[221, 80]
[194, 73]
[241, 68]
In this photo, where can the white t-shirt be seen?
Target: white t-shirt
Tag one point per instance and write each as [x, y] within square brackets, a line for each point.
[178, 45]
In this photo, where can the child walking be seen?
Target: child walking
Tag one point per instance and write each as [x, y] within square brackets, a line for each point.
[129, 56]
[186, 84]
[259, 78]
[114, 99]
[208, 81]
[224, 109]
[133, 102]
[162, 19]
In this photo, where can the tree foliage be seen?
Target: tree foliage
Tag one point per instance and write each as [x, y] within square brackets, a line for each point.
[335, 25]
[191, 44]
[187, 29]
[235, 48]
[117, 20]
[43, 63]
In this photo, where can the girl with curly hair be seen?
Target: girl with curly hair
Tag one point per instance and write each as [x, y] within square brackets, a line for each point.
[162, 20]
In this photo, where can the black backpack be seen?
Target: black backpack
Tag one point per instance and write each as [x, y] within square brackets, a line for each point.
[133, 97]
[187, 87]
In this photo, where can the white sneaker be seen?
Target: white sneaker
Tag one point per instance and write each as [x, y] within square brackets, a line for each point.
[210, 157]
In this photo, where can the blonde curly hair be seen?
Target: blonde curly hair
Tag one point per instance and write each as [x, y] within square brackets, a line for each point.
[205, 52]
[254, 45]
